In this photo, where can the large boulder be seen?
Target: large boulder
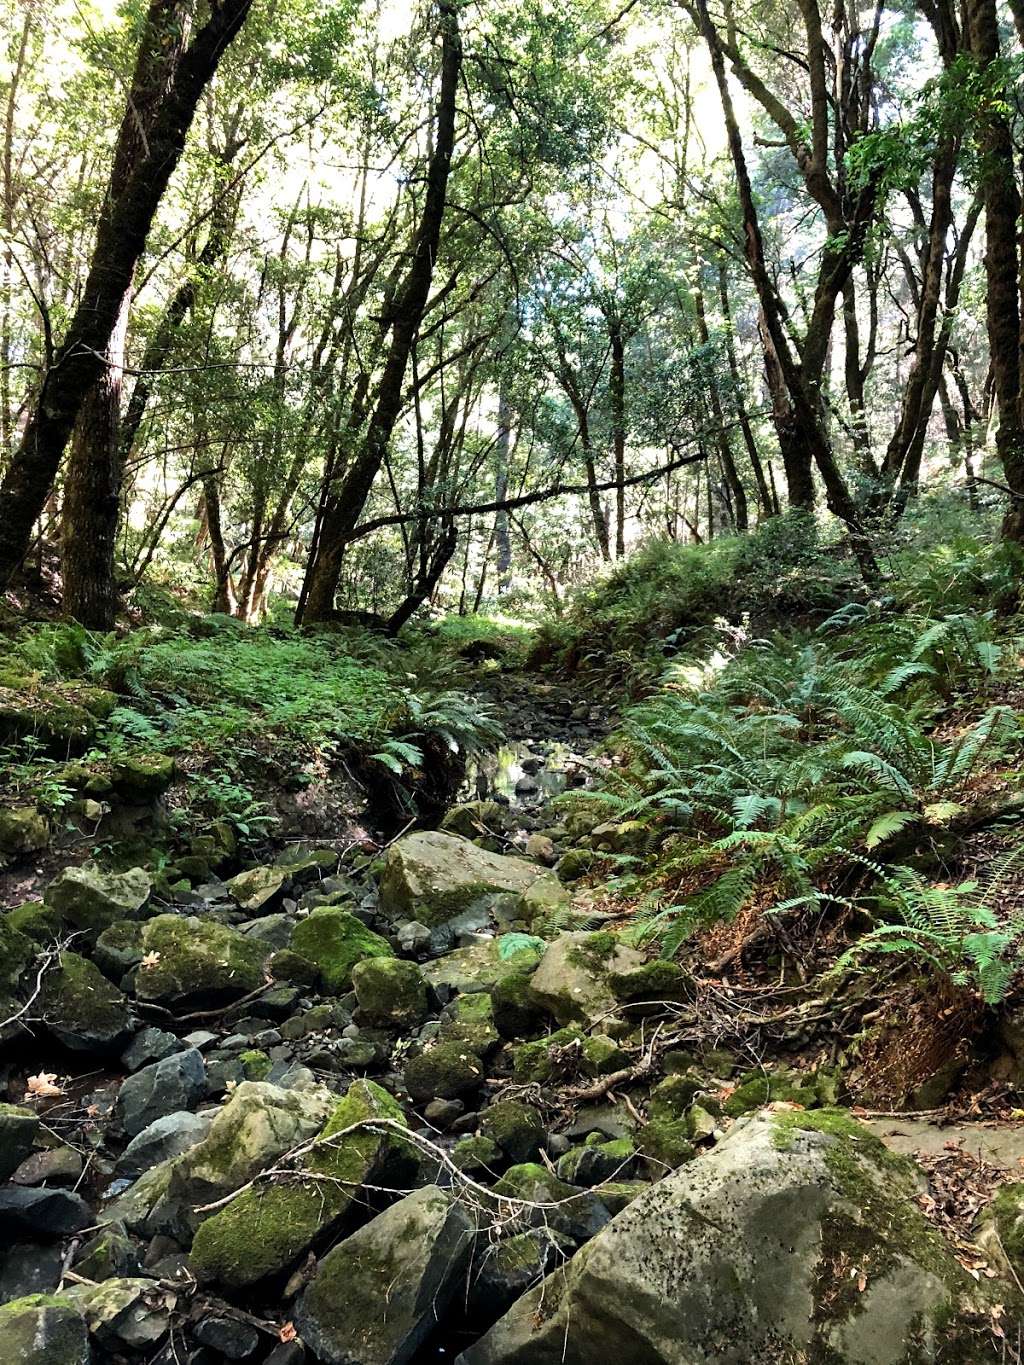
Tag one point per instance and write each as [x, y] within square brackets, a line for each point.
[22, 830]
[82, 1009]
[797, 1238]
[91, 899]
[447, 882]
[573, 979]
[257, 1124]
[335, 941]
[270, 1225]
[43, 1329]
[410, 1258]
[190, 963]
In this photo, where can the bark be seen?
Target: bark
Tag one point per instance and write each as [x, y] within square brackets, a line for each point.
[768, 502]
[123, 227]
[407, 314]
[1002, 269]
[502, 539]
[427, 581]
[10, 199]
[617, 398]
[733, 481]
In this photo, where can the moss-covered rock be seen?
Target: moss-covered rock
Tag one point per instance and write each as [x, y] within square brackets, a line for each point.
[516, 1013]
[22, 830]
[127, 1313]
[758, 1088]
[119, 948]
[92, 899]
[43, 1329]
[39, 922]
[269, 1226]
[797, 1238]
[478, 1154]
[445, 1071]
[602, 1055]
[287, 965]
[485, 822]
[517, 1128]
[650, 982]
[666, 1144]
[542, 1059]
[82, 1009]
[575, 863]
[478, 967]
[390, 992]
[18, 1129]
[197, 963]
[1001, 1228]
[572, 981]
[336, 941]
[575, 1213]
[16, 952]
[257, 889]
[672, 1097]
[435, 877]
[595, 1162]
[143, 776]
[469, 1021]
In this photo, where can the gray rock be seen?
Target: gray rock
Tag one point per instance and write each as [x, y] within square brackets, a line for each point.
[53, 1165]
[26, 1212]
[798, 1237]
[418, 1249]
[178, 1082]
[126, 1313]
[27, 1268]
[572, 979]
[46, 1332]
[164, 1138]
[18, 1129]
[413, 937]
[91, 899]
[81, 1008]
[233, 1338]
[150, 1045]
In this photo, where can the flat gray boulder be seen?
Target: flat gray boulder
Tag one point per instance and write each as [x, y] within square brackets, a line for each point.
[797, 1238]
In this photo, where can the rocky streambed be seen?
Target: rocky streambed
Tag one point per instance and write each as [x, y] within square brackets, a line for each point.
[426, 1103]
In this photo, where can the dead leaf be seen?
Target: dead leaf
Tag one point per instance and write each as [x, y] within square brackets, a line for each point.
[287, 1332]
[150, 960]
[44, 1085]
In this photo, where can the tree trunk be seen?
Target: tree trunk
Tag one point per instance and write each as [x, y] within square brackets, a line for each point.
[343, 515]
[617, 399]
[733, 481]
[769, 504]
[123, 227]
[502, 539]
[1002, 268]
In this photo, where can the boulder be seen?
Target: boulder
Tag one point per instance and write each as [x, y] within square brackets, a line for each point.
[91, 899]
[797, 1238]
[43, 1329]
[444, 1071]
[486, 821]
[502, 1271]
[517, 1129]
[166, 1137]
[576, 1214]
[440, 879]
[257, 889]
[191, 963]
[270, 1225]
[59, 1165]
[18, 1129]
[17, 951]
[125, 1314]
[335, 941]
[469, 1020]
[410, 1257]
[151, 1045]
[258, 1123]
[572, 981]
[390, 992]
[82, 1009]
[174, 1083]
[42, 1214]
[141, 777]
[22, 830]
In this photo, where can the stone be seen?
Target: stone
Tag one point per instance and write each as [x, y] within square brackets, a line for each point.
[445, 1071]
[166, 1137]
[121, 1314]
[118, 949]
[517, 1128]
[572, 981]
[479, 1154]
[390, 991]
[92, 899]
[141, 777]
[17, 950]
[191, 963]
[18, 1129]
[43, 1329]
[335, 941]
[596, 1162]
[441, 1114]
[469, 1020]
[413, 937]
[476, 968]
[1001, 1228]
[53, 1165]
[26, 1212]
[797, 1237]
[110, 1254]
[437, 878]
[540, 1060]
[82, 1009]
[231, 1337]
[575, 1213]
[39, 922]
[286, 965]
[541, 849]
[649, 983]
[177, 1082]
[30, 1268]
[151, 1045]
[22, 830]
[258, 1123]
[257, 889]
[504, 1270]
[412, 1256]
[486, 820]
[269, 1226]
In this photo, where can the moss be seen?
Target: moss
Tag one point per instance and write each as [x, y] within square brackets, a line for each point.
[41, 923]
[517, 1129]
[757, 1089]
[255, 1064]
[16, 951]
[657, 980]
[593, 953]
[269, 1226]
[286, 965]
[478, 1153]
[666, 1143]
[445, 1071]
[336, 941]
[535, 1062]
[469, 1020]
[390, 991]
[143, 776]
[575, 863]
[197, 960]
[602, 1055]
[516, 1013]
[672, 1097]
[81, 1007]
[1007, 1213]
